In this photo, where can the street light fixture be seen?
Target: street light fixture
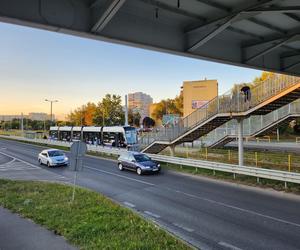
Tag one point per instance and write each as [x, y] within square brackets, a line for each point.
[51, 102]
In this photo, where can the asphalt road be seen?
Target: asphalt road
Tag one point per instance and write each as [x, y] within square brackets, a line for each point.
[207, 213]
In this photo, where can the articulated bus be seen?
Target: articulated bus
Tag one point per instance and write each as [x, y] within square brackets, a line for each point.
[117, 136]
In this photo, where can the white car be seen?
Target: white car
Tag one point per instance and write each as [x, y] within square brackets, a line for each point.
[53, 157]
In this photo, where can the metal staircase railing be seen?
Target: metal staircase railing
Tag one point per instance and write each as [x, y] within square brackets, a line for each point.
[228, 103]
[252, 125]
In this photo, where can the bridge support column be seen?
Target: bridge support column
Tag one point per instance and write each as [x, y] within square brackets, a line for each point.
[241, 142]
[172, 150]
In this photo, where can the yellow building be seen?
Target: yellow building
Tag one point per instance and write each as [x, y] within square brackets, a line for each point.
[198, 93]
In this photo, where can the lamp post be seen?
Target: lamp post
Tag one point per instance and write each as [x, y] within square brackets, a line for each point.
[51, 102]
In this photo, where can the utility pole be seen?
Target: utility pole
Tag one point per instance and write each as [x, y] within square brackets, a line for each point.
[51, 103]
[126, 111]
[22, 124]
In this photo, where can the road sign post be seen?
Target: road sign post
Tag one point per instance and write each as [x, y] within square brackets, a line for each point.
[78, 150]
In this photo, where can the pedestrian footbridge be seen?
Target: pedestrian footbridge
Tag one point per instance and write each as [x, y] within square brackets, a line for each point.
[266, 96]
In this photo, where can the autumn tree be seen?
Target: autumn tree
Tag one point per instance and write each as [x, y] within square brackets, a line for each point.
[83, 116]
[134, 118]
[168, 106]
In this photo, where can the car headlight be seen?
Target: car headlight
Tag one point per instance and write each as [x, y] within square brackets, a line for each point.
[158, 165]
[66, 158]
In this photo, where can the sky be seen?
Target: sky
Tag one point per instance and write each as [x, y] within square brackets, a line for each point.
[37, 64]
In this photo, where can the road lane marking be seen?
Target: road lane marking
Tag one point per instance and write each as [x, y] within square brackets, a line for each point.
[128, 204]
[30, 164]
[184, 227]
[229, 246]
[239, 209]
[152, 214]
[122, 176]
[9, 162]
[19, 160]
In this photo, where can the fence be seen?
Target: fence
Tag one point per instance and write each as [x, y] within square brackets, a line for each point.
[285, 176]
[269, 160]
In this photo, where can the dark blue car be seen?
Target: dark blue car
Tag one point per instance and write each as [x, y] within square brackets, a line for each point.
[138, 162]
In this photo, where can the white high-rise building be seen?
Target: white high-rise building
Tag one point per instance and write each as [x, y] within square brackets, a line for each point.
[140, 102]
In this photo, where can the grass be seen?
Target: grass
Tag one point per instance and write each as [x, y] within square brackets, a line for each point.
[90, 222]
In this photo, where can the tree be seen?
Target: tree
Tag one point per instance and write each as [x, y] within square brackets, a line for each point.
[83, 116]
[134, 118]
[168, 106]
[148, 122]
[109, 111]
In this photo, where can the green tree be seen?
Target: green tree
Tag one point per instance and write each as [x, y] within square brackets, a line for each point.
[109, 111]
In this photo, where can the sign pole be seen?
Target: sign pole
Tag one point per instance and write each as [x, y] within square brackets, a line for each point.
[78, 150]
[74, 186]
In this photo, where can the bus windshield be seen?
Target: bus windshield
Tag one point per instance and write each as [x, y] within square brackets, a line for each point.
[131, 135]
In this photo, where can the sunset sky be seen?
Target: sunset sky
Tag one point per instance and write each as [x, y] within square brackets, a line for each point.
[36, 64]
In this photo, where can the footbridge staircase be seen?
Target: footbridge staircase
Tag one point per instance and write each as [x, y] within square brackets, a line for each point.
[253, 126]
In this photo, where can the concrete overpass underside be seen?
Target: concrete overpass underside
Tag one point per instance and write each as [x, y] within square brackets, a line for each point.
[262, 34]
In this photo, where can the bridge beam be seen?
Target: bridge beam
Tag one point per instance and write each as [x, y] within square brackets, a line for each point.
[108, 14]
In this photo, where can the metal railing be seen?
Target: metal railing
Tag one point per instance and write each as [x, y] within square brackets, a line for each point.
[252, 125]
[215, 166]
[230, 102]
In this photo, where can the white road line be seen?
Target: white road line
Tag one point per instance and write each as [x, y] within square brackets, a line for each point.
[229, 246]
[152, 214]
[6, 163]
[183, 227]
[128, 204]
[32, 165]
[19, 160]
[122, 176]
[240, 209]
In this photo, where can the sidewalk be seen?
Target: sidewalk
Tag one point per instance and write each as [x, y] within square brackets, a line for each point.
[21, 234]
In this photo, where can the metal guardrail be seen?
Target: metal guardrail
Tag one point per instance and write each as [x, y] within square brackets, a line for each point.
[229, 168]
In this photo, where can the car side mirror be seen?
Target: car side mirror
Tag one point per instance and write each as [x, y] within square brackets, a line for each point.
[133, 160]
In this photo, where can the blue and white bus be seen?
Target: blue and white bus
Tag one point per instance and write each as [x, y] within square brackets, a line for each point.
[115, 136]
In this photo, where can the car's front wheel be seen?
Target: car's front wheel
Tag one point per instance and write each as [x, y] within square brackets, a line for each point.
[40, 162]
[48, 164]
[120, 167]
[139, 171]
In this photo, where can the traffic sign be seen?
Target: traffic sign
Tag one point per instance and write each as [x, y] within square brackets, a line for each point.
[78, 150]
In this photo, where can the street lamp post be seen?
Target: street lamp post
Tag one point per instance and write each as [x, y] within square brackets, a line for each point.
[51, 102]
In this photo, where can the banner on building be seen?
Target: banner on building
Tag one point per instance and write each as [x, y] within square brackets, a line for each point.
[197, 103]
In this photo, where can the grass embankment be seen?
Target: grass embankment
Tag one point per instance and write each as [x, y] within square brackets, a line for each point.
[90, 222]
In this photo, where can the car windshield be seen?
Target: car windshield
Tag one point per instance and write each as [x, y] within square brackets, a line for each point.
[55, 153]
[141, 158]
